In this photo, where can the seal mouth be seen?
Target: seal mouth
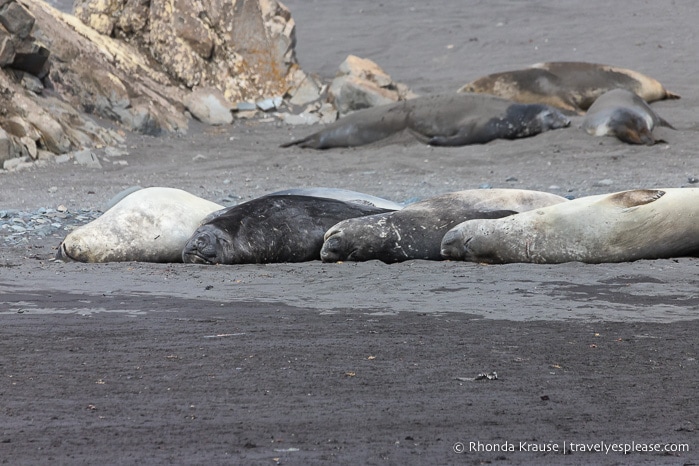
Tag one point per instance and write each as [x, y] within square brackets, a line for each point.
[202, 248]
[63, 255]
[196, 258]
[332, 248]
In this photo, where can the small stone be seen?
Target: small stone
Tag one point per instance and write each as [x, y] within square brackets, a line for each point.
[87, 158]
[53, 189]
[246, 106]
[604, 182]
[693, 180]
[199, 157]
[61, 208]
[63, 158]
[269, 104]
[485, 186]
[511, 178]
[114, 152]
[301, 119]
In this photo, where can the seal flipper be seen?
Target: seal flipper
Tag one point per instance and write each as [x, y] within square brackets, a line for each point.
[307, 142]
[663, 122]
[635, 198]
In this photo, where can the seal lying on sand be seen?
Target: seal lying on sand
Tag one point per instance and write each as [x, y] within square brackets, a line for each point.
[619, 227]
[571, 86]
[341, 195]
[416, 231]
[148, 225]
[282, 228]
[439, 120]
[623, 114]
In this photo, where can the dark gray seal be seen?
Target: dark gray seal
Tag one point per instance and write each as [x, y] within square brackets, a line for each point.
[283, 228]
[341, 195]
[416, 231]
[571, 86]
[439, 120]
[623, 114]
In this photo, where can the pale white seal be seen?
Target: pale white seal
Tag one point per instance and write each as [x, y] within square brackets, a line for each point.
[619, 227]
[149, 225]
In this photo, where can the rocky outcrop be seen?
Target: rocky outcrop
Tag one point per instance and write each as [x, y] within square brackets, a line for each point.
[149, 66]
[244, 48]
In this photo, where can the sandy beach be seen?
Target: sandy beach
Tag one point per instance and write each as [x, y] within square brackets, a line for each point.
[368, 363]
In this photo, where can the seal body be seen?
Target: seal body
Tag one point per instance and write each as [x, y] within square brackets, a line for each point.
[416, 231]
[619, 227]
[571, 86]
[442, 119]
[623, 114]
[148, 225]
[341, 195]
[272, 228]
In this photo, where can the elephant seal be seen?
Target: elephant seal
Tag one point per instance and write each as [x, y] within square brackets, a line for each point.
[416, 231]
[282, 228]
[623, 114]
[619, 227]
[341, 195]
[571, 86]
[438, 120]
[148, 225]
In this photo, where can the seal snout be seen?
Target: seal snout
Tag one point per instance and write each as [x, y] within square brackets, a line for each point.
[332, 247]
[453, 246]
[200, 249]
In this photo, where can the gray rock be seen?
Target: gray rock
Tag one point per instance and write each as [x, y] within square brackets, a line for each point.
[16, 19]
[301, 119]
[7, 48]
[87, 158]
[269, 104]
[209, 106]
[351, 93]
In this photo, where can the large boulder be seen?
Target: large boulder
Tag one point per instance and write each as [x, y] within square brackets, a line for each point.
[361, 83]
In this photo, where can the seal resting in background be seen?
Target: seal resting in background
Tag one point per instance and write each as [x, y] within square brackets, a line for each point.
[619, 227]
[571, 86]
[623, 114]
[272, 228]
[148, 225]
[416, 231]
[439, 120]
[341, 195]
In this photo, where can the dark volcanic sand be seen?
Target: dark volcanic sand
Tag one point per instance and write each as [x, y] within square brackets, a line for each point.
[361, 363]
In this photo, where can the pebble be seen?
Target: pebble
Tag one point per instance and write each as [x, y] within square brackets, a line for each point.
[18, 226]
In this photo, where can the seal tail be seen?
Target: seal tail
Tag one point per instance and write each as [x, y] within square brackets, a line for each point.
[665, 123]
[304, 142]
[671, 95]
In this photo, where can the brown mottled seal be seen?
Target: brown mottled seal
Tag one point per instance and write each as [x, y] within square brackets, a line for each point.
[416, 231]
[623, 114]
[148, 225]
[439, 120]
[571, 86]
[619, 227]
[272, 228]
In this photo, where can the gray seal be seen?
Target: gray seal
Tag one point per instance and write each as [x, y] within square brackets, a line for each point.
[620, 227]
[571, 86]
[272, 228]
[416, 231]
[623, 114]
[439, 120]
